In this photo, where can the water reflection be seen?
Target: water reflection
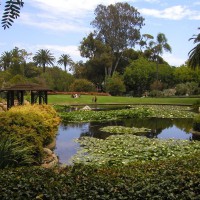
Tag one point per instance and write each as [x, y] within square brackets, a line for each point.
[161, 128]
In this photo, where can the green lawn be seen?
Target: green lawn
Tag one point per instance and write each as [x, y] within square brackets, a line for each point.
[87, 100]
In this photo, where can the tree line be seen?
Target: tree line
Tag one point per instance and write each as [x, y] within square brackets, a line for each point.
[113, 63]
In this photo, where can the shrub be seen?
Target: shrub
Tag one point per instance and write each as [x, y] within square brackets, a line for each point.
[115, 85]
[82, 85]
[14, 152]
[155, 93]
[36, 125]
[177, 178]
[196, 106]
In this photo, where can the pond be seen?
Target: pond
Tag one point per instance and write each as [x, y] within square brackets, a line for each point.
[66, 147]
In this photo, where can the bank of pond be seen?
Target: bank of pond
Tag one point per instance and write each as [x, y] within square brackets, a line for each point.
[136, 152]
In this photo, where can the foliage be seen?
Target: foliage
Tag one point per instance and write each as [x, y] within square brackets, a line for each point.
[15, 153]
[56, 79]
[139, 111]
[11, 12]
[124, 130]
[185, 74]
[169, 92]
[82, 85]
[175, 178]
[128, 148]
[139, 75]
[188, 88]
[100, 56]
[156, 85]
[194, 58]
[115, 85]
[196, 105]
[167, 111]
[196, 124]
[43, 57]
[155, 93]
[65, 60]
[85, 116]
[117, 25]
[35, 125]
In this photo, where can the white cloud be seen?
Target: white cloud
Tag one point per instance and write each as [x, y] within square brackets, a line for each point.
[53, 23]
[173, 13]
[70, 7]
[173, 60]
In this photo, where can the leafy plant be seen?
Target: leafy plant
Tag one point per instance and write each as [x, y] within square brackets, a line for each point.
[175, 178]
[124, 149]
[11, 12]
[196, 105]
[35, 125]
[124, 130]
[14, 152]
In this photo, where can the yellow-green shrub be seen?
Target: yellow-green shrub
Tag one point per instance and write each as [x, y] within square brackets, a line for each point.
[36, 124]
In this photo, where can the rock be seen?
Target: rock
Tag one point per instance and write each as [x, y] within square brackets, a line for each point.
[50, 159]
[86, 108]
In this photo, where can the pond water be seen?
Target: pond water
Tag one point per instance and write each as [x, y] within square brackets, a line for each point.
[66, 147]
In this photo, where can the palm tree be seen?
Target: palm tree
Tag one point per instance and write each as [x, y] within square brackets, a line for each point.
[194, 54]
[43, 57]
[157, 49]
[5, 60]
[65, 60]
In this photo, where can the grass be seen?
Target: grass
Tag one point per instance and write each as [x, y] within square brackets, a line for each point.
[87, 100]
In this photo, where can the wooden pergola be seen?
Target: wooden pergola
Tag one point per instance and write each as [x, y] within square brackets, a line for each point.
[18, 91]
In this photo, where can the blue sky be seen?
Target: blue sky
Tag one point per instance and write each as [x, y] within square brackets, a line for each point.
[61, 25]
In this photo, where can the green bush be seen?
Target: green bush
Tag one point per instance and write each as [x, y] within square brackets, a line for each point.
[34, 125]
[196, 105]
[177, 178]
[115, 85]
[14, 152]
[155, 93]
[82, 85]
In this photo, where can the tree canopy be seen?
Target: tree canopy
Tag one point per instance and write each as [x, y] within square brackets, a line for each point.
[194, 54]
[117, 26]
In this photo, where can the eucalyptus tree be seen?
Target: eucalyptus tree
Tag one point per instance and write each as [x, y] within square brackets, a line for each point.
[65, 60]
[99, 54]
[194, 54]
[43, 57]
[11, 11]
[5, 60]
[119, 27]
[156, 49]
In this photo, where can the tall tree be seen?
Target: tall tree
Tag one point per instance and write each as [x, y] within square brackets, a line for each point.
[11, 12]
[5, 60]
[65, 60]
[157, 47]
[43, 57]
[194, 54]
[99, 53]
[119, 27]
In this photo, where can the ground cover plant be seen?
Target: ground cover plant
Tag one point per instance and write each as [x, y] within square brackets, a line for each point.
[175, 178]
[128, 148]
[125, 130]
[139, 111]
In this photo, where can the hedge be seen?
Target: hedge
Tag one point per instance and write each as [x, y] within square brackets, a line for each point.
[177, 178]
